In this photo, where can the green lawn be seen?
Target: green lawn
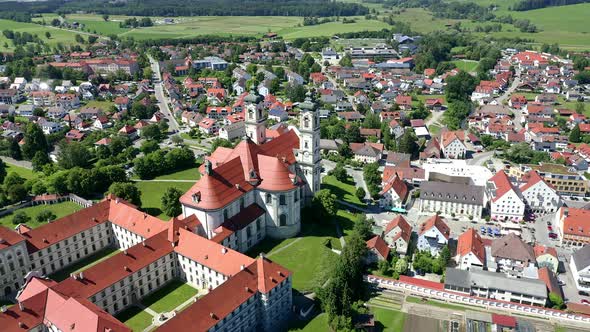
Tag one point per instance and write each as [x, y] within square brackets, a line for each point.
[151, 195]
[85, 263]
[466, 65]
[318, 324]
[169, 297]
[135, 318]
[105, 105]
[344, 191]
[187, 174]
[60, 210]
[434, 130]
[389, 320]
[23, 172]
[332, 28]
[307, 256]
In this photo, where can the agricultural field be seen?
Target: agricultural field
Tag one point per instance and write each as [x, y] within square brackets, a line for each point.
[65, 37]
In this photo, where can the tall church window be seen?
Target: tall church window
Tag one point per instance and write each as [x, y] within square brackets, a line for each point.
[282, 200]
[268, 198]
[306, 122]
[224, 214]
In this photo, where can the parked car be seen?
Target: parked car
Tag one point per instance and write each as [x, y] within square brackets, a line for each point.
[586, 302]
[550, 228]
[583, 293]
[549, 223]
[553, 235]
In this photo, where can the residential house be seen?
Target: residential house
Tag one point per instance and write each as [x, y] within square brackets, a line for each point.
[191, 119]
[67, 101]
[453, 145]
[471, 253]
[433, 235]
[398, 234]
[394, 194]
[377, 250]
[404, 102]
[9, 96]
[88, 113]
[234, 127]
[101, 122]
[129, 131]
[25, 110]
[512, 255]
[294, 78]
[208, 126]
[42, 98]
[122, 103]
[572, 226]
[56, 113]
[367, 152]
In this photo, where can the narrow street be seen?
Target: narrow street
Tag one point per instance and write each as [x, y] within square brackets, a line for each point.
[506, 94]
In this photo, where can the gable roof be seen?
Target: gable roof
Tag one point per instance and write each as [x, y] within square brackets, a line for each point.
[402, 223]
[380, 245]
[470, 242]
[398, 185]
[436, 222]
[502, 183]
[514, 248]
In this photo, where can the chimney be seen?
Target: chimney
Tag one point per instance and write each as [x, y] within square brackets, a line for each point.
[208, 167]
[212, 315]
[144, 215]
[117, 200]
[2, 241]
[94, 219]
[566, 211]
[242, 267]
[143, 243]
[81, 275]
[3, 309]
[21, 306]
[21, 325]
[125, 252]
[206, 256]
[127, 268]
[223, 250]
[238, 186]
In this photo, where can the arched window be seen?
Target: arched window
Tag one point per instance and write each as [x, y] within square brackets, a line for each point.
[268, 198]
[283, 220]
[306, 122]
[282, 200]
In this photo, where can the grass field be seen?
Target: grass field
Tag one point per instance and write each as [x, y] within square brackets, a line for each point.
[25, 173]
[105, 105]
[466, 65]
[344, 191]
[187, 174]
[60, 210]
[389, 320]
[151, 195]
[318, 324]
[169, 297]
[85, 263]
[135, 318]
[57, 35]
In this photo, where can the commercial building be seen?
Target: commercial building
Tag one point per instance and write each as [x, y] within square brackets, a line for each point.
[573, 226]
[563, 179]
[496, 286]
[506, 202]
[451, 199]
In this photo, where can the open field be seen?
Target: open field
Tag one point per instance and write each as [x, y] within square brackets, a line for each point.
[60, 210]
[57, 35]
[187, 174]
[466, 65]
[318, 324]
[92, 23]
[85, 263]
[105, 105]
[344, 191]
[389, 320]
[135, 318]
[151, 195]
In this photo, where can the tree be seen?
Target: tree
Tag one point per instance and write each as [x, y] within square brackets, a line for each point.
[39, 160]
[127, 191]
[460, 87]
[17, 193]
[79, 39]
[339, 173]
[345, 151]
[149, 146]
[34, 141]
[575, 134]
[170, 202]
[14, 150]
[176, 139]
[92, 39]
[556, 301]
[2, 171]
[346, 61]
[47, 34]
[360, 193]
[12, 179]
[384, 267]
[325, 202]
[73, 154]
[363, 226]
[401, 266]
[407, 143]
[353, 134]
[105, 17]
[20, 218]
[151, 132]
[45, 216]
[456, 113]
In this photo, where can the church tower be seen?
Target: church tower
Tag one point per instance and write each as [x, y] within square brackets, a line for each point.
[255, 119]
[308, 155]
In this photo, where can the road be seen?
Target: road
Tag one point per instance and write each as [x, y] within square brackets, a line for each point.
[162, 98]
[478, 159]
[349, 97]
[506, 94]
[436, 115]
[20, 163]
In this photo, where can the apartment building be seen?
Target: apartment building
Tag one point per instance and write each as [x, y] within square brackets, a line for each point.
[563, 179]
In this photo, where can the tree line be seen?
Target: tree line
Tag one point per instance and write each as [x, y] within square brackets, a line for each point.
[524, 5]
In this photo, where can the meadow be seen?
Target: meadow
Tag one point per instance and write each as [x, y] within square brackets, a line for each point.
[57, 35]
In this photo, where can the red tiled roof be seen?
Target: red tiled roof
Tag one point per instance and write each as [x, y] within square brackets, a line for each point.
[106, 273]
[422, 282]
[503, 184]
[550, 280]
[402, 223]
[260, 275]
[380, 245]
[435, 221]
[398, 185]
[449, 136]
[543, 250]
[471, 242]
[275, 174]
[576, 222]
[9, 237]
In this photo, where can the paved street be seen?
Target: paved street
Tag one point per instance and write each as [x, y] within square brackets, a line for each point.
[162, 99]
[506, 94]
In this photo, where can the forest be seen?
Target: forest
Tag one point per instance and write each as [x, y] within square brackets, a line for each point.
[316, 8]
[536, 4]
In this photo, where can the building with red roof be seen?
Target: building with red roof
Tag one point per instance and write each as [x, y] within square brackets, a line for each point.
[506, 201]
[453, 145]
[572, 226]
[539, 195]
[378, 250]
[397, 234]
[546, 257]
[470, 250]
[394, 194]
[154, 254]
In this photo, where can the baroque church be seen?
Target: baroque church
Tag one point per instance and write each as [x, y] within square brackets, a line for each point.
[258, 188]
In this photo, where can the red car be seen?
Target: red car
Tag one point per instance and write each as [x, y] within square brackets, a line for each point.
[550, 228]
[586, 302]
[553, 235]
